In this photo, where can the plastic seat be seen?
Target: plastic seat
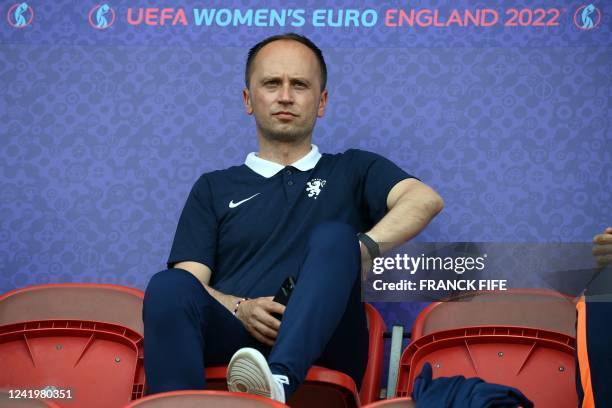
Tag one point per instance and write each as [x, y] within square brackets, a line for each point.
[329, 388]
[80, 301]
[537, 362]
[392, 403]
[370, 385]
[520, 338]
[82, 337]
[205, 399]
[535, 308]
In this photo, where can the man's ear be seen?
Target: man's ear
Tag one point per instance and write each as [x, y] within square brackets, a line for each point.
[246, 98]
[322, 103]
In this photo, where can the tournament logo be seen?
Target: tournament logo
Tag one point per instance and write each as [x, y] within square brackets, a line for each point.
[102, 16]
[20, 15]
[587, 17]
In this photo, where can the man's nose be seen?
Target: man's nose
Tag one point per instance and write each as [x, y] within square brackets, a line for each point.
[286, 95]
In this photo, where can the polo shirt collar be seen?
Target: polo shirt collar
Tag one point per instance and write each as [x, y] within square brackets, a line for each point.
[268, 169]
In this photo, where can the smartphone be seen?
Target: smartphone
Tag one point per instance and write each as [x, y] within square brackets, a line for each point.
[283, 294]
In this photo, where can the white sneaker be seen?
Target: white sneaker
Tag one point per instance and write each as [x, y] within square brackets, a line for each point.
[248, 371]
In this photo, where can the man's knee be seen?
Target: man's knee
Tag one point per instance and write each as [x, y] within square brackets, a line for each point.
[332, 234]
[171, 291]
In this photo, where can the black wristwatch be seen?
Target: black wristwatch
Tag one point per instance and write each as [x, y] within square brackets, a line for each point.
[370, 244]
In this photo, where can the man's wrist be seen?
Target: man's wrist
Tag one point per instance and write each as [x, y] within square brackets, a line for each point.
[239, 302]
[371, 246]
[228, 301]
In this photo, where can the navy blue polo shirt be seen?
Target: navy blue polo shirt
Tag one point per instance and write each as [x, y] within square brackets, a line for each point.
[249, 224]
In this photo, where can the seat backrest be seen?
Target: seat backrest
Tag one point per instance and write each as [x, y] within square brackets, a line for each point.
[115, 304]
[540, 363]
[370, 385]
[539, 309]
[203, 399]
[392, 403]
[85, 363]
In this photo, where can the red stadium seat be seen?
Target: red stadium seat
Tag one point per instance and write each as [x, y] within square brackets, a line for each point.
[80, 301]
[205, 399]
[535, 308]
[392, 403]
[370, 385]
[521, 338]
[77, 316]
[85, 338]
[329, 388]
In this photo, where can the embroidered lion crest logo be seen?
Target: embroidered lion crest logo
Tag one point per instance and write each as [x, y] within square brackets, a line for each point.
[314, 187]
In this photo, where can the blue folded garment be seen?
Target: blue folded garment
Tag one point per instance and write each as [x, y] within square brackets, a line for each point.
[461, 392]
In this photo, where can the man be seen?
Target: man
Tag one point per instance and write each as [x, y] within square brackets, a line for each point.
[288, 211]
[594, 333]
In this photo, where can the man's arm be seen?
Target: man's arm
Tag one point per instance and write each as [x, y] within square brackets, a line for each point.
[255, 314]
[412, 205]
[203, 273]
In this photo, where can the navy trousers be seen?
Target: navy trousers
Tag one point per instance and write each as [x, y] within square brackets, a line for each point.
[186, 329]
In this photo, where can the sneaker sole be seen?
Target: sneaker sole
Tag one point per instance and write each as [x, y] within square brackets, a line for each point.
[247, 373]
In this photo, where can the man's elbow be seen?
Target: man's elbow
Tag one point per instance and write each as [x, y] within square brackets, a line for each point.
[418, 197]
[434, 203]
[437, 203]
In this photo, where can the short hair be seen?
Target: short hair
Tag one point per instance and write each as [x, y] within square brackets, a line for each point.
[287, 36]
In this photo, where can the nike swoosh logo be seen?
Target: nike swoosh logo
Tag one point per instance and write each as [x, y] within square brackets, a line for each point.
[232, 204]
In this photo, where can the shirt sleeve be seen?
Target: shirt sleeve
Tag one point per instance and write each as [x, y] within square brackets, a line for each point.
[377, 177]
[196, 233]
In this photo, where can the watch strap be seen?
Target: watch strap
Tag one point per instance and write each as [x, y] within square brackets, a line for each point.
[370, 244]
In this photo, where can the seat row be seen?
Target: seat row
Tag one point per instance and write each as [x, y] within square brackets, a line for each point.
[81, 345]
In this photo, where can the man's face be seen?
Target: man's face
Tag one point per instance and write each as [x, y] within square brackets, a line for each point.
[285, 91]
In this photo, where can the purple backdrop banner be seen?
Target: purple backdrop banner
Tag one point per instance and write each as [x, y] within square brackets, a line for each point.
[109, 113]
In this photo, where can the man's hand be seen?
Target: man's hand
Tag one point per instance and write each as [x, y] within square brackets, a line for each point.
[602, 250]
[256, 316]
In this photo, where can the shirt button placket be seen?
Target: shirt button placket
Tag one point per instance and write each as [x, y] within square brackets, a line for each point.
[288, 173]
